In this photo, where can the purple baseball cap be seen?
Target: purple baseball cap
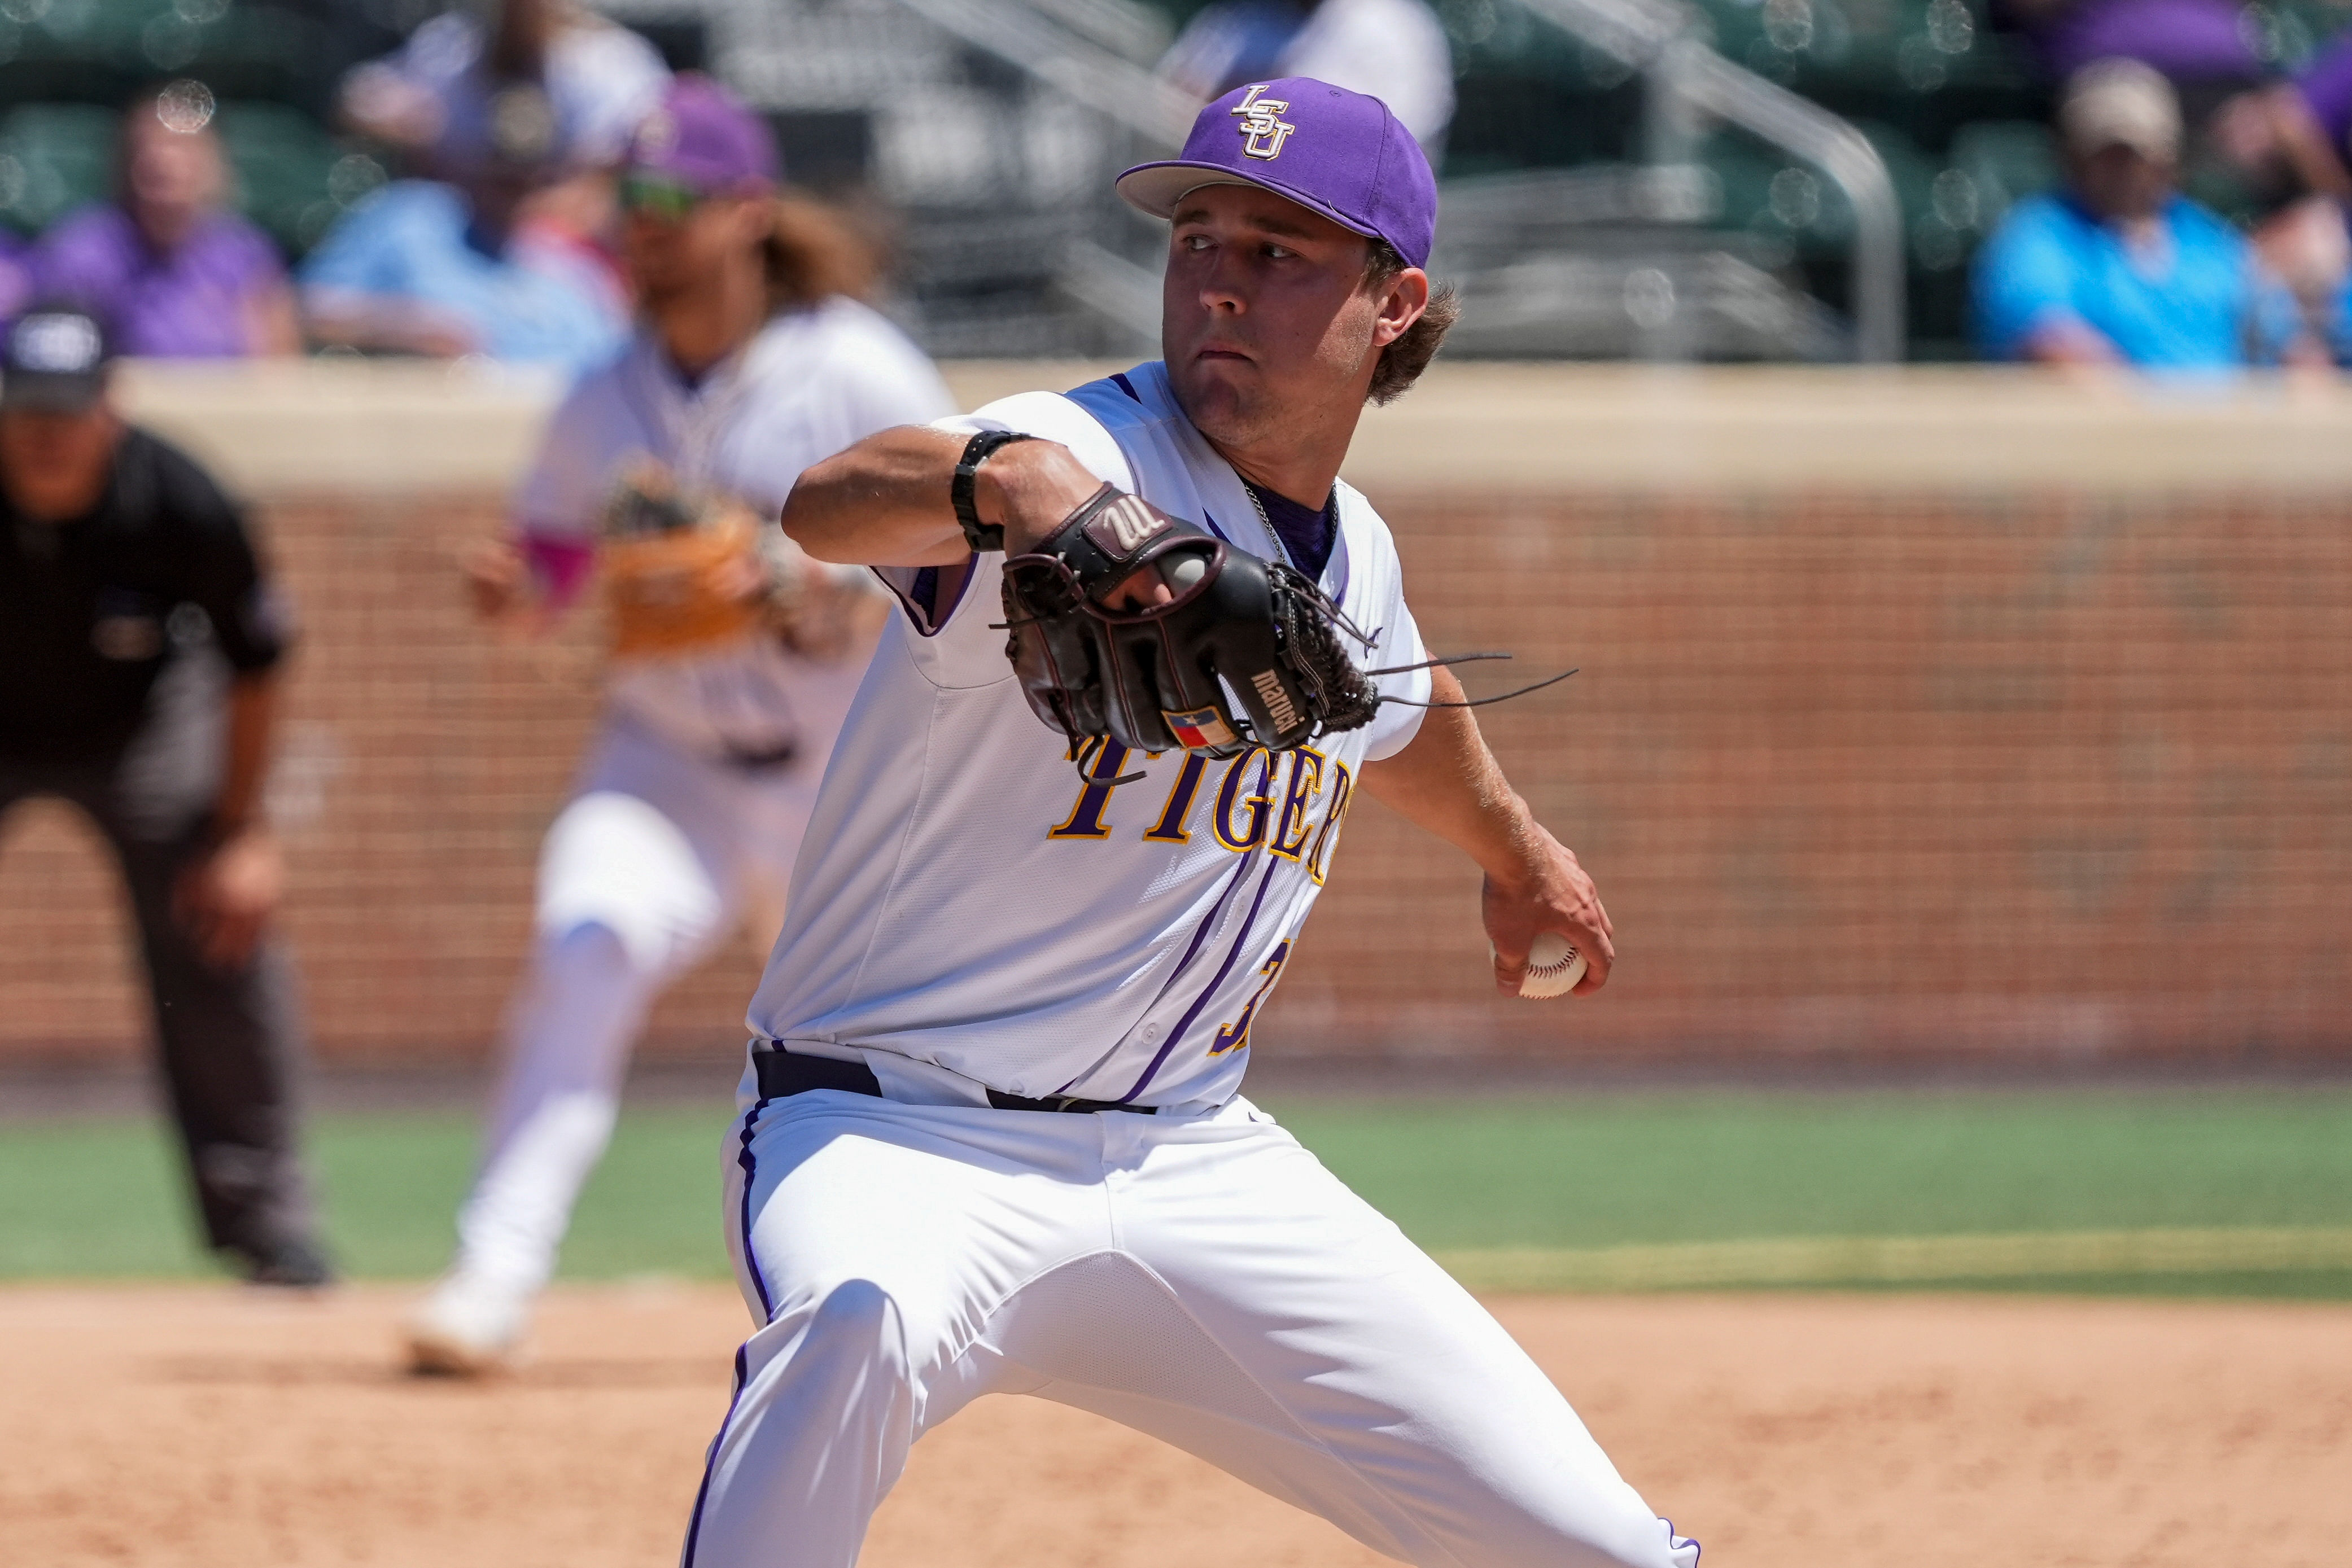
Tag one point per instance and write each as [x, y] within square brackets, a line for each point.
[702, 135]
[1333, 152]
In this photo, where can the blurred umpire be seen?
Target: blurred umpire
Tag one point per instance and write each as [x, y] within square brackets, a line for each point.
[139, 646]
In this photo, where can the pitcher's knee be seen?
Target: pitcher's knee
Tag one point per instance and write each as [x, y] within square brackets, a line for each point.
[856, 1323]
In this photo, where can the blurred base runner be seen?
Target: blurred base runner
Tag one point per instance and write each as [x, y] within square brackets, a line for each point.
[734, 656]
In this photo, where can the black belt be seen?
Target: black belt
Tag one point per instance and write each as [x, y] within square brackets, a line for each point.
[785, 1073]
[759, 759]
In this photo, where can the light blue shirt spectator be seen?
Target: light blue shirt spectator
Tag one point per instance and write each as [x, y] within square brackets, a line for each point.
[401, 268]
[2196, 303]
[2336, 326]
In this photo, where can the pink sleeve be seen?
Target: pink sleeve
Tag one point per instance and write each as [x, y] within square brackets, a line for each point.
[560, 562]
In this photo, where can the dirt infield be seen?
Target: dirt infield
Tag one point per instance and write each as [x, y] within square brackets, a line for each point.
[208, 1427]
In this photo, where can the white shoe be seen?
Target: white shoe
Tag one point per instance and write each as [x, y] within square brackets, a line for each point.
[466, 1327]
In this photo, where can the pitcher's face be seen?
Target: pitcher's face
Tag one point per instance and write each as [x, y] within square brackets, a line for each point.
[1266, 315]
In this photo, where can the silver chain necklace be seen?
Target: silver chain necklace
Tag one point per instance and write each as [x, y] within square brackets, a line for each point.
[1267, 524]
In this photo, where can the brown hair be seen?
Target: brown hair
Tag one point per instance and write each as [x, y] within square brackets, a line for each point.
[811, 254]
[1403, 361]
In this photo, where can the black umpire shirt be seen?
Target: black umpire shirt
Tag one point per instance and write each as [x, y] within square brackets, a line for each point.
[92, 609]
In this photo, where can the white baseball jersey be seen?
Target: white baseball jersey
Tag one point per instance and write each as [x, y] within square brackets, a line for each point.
[810, 383]
[973, 897]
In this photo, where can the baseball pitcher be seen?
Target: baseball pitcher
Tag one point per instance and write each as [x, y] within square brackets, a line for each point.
[1150, 650]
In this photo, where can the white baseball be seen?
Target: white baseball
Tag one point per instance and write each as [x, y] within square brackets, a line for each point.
[1553, 966]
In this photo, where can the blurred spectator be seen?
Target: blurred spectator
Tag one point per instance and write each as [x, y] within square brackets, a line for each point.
[2120, 269]
[2200, 45]
[139, 645]
[438, 98]
[2307, 246]
[2326, 93]
[2293, 143]
[170, 271]
[1393, 49]
[443, 270]
[2295, 137]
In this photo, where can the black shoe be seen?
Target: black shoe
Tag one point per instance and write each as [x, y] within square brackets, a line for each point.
[294, 1265]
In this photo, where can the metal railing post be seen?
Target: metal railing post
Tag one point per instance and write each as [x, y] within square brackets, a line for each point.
[1811, 132]
[1684, 76]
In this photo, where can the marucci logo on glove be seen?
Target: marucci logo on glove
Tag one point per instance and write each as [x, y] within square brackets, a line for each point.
[1277, 700]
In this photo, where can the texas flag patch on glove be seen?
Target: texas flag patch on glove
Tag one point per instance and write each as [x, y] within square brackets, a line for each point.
[1199, 730]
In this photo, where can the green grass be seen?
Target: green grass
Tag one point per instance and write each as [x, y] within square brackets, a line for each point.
[1703, 1167]
[102, 1197]
[88, 1198]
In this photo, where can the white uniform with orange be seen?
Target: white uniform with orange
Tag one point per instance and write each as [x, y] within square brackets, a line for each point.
[694, 798]
[972, 915]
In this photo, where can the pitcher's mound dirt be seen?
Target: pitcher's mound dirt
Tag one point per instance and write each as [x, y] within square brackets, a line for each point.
[215, 1429]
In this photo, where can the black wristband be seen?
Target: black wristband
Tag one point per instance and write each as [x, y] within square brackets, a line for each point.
[977, 450]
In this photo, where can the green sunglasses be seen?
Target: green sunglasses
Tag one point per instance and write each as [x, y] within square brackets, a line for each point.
[658, 196]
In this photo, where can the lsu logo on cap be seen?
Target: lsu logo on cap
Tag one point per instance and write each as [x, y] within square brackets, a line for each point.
[657, 135]
[1262, 129]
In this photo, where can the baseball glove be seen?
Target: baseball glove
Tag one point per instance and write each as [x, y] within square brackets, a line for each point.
[685, 571]
[1244, 653]
[680, 571]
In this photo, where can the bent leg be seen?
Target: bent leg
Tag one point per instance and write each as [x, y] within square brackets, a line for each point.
[874, 1242]
[1389, 1400]
[816, 1435]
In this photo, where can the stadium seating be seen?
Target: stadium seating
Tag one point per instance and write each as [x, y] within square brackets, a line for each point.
[974, 152]
[54, 157]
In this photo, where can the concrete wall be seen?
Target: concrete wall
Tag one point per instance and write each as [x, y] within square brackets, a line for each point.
[1938, 713]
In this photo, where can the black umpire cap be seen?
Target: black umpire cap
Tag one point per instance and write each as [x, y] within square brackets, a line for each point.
[54, 358]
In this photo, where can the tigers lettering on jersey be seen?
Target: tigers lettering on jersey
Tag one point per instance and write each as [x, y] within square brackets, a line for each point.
[1278, 811]
[1099, 761]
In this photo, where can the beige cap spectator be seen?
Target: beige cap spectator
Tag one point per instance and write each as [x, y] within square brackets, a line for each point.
[2121, 103]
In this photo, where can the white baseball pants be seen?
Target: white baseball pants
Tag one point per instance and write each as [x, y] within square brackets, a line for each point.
[651, 864]
[1201, 1278]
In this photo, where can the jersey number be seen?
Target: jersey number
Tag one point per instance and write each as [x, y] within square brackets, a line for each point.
[1235, 1035]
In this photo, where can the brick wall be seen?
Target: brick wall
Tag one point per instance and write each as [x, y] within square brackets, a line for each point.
[2042, 776]
[2045, 777]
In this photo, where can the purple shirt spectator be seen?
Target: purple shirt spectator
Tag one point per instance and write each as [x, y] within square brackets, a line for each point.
[2326, 88]
[15, 279]
[193, 301]
[2188, 40]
